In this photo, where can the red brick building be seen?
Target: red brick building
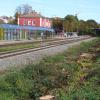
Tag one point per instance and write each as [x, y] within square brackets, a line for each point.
[34, 19]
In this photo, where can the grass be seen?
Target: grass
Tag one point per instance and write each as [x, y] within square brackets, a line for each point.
[61, 75]
[17, 47]
[24, 46]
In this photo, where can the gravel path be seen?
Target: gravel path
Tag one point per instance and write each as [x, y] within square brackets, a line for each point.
[33, 57]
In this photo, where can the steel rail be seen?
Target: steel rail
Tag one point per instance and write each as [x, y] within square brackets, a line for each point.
[9, 54]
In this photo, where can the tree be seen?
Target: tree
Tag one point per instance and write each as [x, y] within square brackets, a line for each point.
[12, 21]
[57, 24]
[86, 27]
[1, 21]
[70, 23]
[98, 25]
[16, 17]
[91, 23]
[82, 27]
[21, 10]
[24, 9]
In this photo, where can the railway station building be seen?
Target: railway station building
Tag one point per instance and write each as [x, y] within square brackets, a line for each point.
[30, 26]
[34, 19]
[17, 32]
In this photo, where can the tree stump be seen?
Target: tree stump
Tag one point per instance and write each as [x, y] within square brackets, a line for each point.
[87, 55]
[47, 97]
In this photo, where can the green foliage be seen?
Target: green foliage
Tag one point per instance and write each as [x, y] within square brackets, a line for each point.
[84, 83]
[16, 84]
[6, 96]
[60, 75]
[85, 27]
[70, 23]
[16, 18]
[18, 47]
[57, 24]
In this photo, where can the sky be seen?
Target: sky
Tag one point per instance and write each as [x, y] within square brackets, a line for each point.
[85, 9]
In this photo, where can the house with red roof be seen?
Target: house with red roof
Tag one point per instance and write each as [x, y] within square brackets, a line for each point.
[34, 19]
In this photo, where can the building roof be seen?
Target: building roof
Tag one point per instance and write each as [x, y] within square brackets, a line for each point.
[11, 26]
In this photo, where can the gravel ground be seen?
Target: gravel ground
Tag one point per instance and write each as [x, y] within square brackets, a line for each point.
[33, 57]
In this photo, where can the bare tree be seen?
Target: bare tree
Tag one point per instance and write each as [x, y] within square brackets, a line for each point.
[24, 9]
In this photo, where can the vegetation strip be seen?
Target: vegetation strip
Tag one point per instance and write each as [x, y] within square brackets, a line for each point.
[26, 42]
[19, 47]
[72, 75]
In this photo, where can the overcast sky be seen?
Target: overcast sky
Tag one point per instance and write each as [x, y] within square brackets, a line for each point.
[85, 9]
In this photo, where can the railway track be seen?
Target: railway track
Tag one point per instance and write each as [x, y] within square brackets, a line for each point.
[48, 45]
[25, 42]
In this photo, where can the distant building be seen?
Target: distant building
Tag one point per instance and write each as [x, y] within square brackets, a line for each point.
[17, 32]
[34, 19]
[6, 19]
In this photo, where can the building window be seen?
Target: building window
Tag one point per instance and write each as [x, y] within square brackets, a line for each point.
[33, 23]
